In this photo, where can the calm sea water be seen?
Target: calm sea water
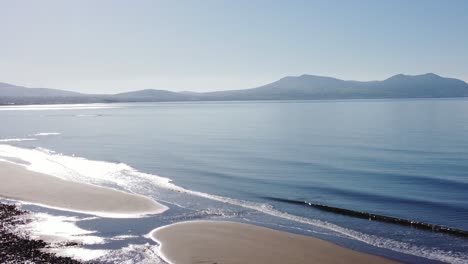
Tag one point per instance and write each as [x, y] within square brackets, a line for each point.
[401, 158]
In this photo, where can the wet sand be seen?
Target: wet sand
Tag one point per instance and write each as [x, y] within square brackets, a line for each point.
[227, 242]
[18, 183]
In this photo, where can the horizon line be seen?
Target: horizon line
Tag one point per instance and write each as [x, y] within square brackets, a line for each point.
[288, 76]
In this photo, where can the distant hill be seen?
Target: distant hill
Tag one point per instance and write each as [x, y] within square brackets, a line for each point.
[143, 95]
[305, 87]
[13, 94]
[318, 87]
[20, 91]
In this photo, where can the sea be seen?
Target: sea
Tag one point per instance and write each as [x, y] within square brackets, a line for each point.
[259, 162]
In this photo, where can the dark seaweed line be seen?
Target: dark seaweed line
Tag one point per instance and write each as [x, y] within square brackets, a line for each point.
[377, 217]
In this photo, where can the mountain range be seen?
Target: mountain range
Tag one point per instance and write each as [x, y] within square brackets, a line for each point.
[304, 87]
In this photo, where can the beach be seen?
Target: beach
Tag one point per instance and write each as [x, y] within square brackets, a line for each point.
[18, 183]
[229, 242]
[185, 242]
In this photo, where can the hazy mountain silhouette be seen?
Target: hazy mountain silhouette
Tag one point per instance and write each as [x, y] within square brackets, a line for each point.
[17, 91]
[288, 88]
[318, 87]
[142, 95]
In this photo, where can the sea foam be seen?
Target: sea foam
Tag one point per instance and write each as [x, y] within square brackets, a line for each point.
[59, 232]
[46, 134]
[16, 139]
[132, 254]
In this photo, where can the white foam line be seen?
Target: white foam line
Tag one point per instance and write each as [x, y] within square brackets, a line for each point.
[47, 134]
[16, 139]
[78, 253]
[95, 213]
[123, 237]
[158, 249]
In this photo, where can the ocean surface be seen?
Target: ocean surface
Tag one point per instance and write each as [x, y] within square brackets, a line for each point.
[241, 161]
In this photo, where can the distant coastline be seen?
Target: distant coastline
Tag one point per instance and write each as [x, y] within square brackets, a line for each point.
[304, 87]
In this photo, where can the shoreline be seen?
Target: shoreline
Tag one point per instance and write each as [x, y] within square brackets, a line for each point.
[21, 184]
[232, 242]
[16, 247]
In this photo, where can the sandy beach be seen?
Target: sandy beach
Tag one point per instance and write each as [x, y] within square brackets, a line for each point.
[228, 242]
[21, 184]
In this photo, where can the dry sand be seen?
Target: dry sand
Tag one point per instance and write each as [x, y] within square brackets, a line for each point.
[211, 242]
[16, 182]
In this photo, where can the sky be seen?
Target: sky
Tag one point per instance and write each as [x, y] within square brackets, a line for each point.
[98, 46]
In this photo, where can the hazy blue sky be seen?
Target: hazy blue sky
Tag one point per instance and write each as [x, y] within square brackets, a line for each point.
[111, 46]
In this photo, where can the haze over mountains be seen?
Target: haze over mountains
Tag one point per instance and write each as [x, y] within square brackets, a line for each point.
[304, 87]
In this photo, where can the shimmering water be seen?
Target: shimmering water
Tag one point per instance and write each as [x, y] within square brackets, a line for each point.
[400, 158]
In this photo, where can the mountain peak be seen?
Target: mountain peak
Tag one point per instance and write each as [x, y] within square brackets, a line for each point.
[431, 75]
[404, 76]
[400, 76]
[307, 77]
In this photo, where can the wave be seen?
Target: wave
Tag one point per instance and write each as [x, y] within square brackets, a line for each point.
[382, 198]
[46, 134]
[87, 115]
[16, 139]
[122, 176]
[376, 217]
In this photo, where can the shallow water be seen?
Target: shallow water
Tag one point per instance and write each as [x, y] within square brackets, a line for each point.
[401, 158]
